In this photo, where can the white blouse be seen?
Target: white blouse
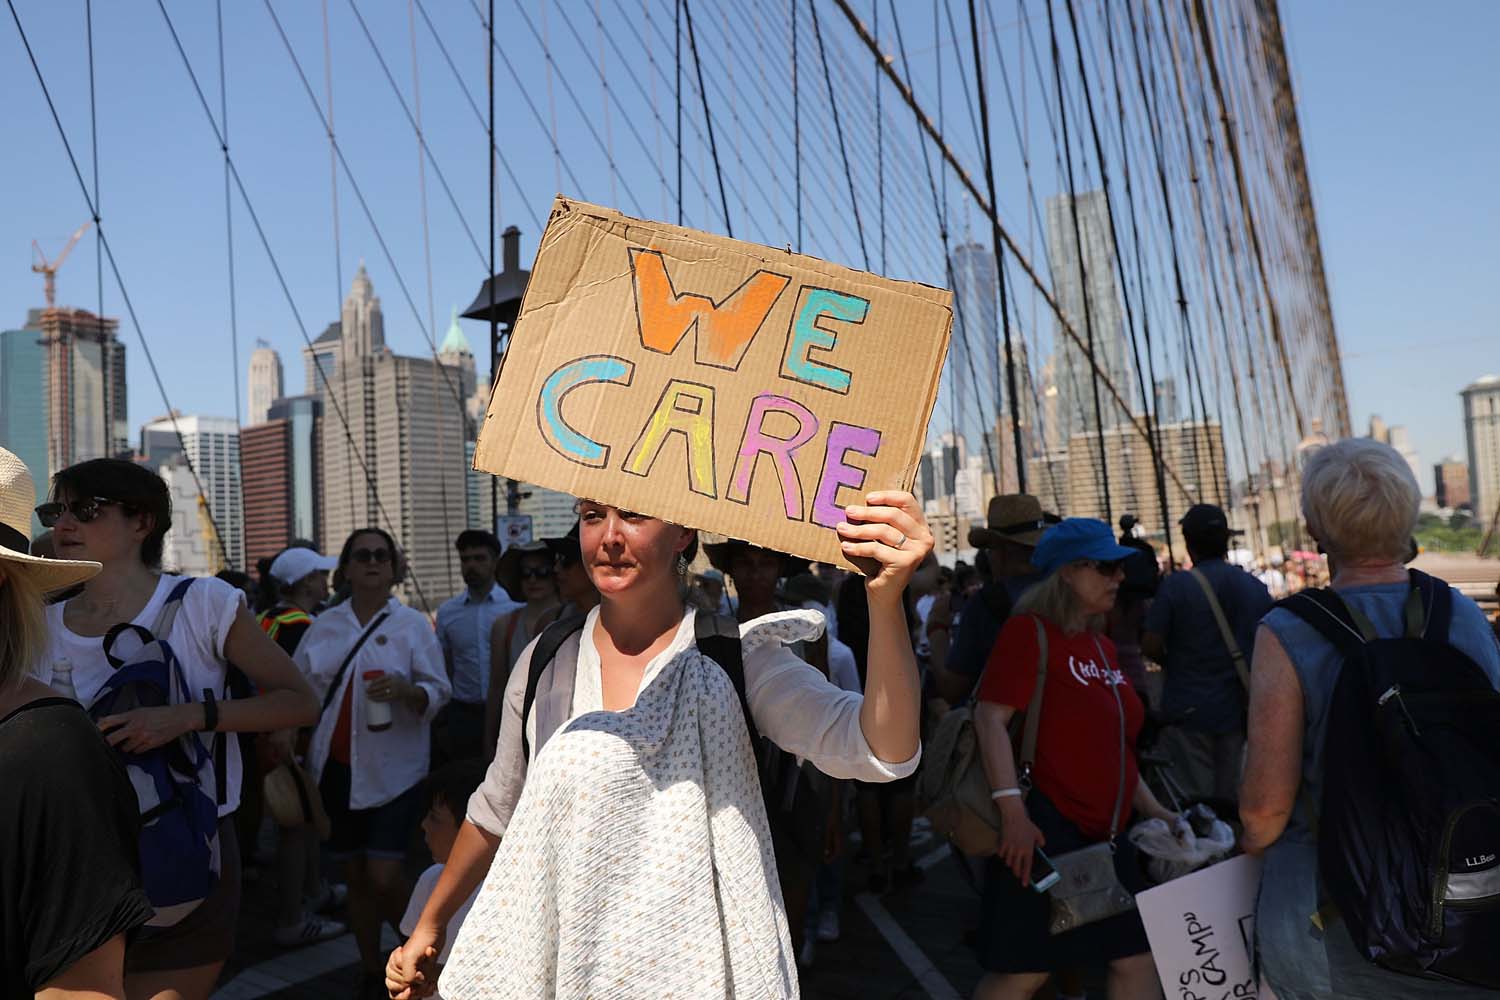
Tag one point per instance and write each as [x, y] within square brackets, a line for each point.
[794, 705]
[382, 764]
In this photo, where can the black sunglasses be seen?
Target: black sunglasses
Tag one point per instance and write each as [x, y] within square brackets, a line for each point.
[368, 555]
[84, 510]
[536, 573]
[1104, 567]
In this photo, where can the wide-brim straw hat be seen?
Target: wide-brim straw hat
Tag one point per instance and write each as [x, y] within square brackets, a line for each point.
[1012, 517]
[17, 500]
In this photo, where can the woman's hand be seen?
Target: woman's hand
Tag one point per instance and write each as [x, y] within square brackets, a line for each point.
[888, 537]
[1019, 839]
[411, 971]
[390, 687]
[143, 729]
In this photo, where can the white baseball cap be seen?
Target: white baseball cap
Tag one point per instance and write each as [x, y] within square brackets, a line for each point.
[295, 563]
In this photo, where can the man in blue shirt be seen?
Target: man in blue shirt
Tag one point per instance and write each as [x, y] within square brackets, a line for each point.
[463, 628]
[1204, 697]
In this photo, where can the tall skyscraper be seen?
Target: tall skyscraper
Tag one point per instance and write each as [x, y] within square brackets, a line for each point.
[85, 386]
[1167, 406]
[1451, 478]
[454, 352]
[212, 444]
[976, 317]
[1072, 372]
[1399, 439]
[23, 400]
[320, 362]
[265, 382]
[1482, 434]
[279, 463]
[1195, 449]
[399, 464]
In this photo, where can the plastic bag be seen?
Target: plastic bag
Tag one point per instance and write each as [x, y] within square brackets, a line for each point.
[1174, 850]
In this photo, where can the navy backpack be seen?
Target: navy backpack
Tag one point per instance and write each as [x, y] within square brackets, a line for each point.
[176, 784]
[1409, 826]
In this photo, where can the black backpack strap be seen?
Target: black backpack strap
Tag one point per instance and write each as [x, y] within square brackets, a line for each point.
[542, 655]
[718, 638]
[1429, 612]
[333, 689]
[1327, 613]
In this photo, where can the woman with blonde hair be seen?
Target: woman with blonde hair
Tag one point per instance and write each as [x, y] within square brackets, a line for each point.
[1083, 783]
[70, 886]
[1360, 502]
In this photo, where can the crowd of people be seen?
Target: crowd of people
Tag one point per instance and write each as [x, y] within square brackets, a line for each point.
[717, 742]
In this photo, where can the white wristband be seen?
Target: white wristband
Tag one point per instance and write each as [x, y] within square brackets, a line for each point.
[1005, 793]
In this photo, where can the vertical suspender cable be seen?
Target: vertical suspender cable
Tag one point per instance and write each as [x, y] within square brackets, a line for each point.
[489, 65]
[107, 440]
[833, 104]
[708, 118]
[879, 147]
[1153, 401]
[1148, 398]
[989, 170]
[678, 52]
[333, 187]
[796, 127]
[1083, 287]
[234, 325]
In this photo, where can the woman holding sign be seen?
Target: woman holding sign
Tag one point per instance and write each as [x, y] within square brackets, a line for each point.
[636, 859]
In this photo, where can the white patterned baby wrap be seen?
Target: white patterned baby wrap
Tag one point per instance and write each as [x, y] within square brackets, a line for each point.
[638, 862]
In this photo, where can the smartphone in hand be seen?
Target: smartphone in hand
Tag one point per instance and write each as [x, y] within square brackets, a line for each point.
[1043, 874]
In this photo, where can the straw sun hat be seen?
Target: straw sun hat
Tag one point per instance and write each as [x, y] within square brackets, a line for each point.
[17, 498]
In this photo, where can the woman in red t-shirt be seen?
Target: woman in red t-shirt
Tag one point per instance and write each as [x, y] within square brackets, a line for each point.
[1084, 782]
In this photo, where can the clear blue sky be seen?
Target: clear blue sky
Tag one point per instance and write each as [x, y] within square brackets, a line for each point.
[1399, 116]
[1395, 110]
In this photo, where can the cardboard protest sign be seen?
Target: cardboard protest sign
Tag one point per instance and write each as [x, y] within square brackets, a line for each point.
[716, 384]
[1202, 932]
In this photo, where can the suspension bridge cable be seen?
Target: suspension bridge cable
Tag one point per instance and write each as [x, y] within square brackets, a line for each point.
[234, 323]
[796, 125]
[424, 152]
[486, 123]
[333, 181]
[239, 184]
[708, 117]
[999, 249]
[1148, 399]
[1257, 254]
[677, 40]
[961, 320]
[88, 18]
[525, 92]
[114, 268]
[879, 149]
[833, 103]
[363, 203]
[963, 175]
[1153, 400]
[494, 317]
[1083, 283]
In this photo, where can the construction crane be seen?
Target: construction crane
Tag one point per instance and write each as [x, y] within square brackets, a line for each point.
[48, 269]
[210, 535]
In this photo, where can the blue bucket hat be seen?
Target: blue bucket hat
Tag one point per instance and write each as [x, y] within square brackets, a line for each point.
[1077, 538]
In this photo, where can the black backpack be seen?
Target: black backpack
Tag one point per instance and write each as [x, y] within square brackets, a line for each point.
[1409, 826]
[793, 795]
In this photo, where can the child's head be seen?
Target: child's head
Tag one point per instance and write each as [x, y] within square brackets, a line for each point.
[448, 791]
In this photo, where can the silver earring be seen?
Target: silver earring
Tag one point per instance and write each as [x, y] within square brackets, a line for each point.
[682, 565]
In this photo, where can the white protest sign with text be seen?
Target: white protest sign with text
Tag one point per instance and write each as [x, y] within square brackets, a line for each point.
[1202, 932]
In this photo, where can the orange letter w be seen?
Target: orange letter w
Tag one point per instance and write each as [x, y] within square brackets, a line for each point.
[725, 328]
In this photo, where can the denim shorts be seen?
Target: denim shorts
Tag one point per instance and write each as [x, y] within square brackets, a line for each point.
[384, 831]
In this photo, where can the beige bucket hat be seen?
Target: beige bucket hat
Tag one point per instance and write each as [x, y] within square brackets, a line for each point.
[17, 499]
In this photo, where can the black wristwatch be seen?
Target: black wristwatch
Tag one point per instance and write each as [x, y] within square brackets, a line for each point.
[210, 711]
